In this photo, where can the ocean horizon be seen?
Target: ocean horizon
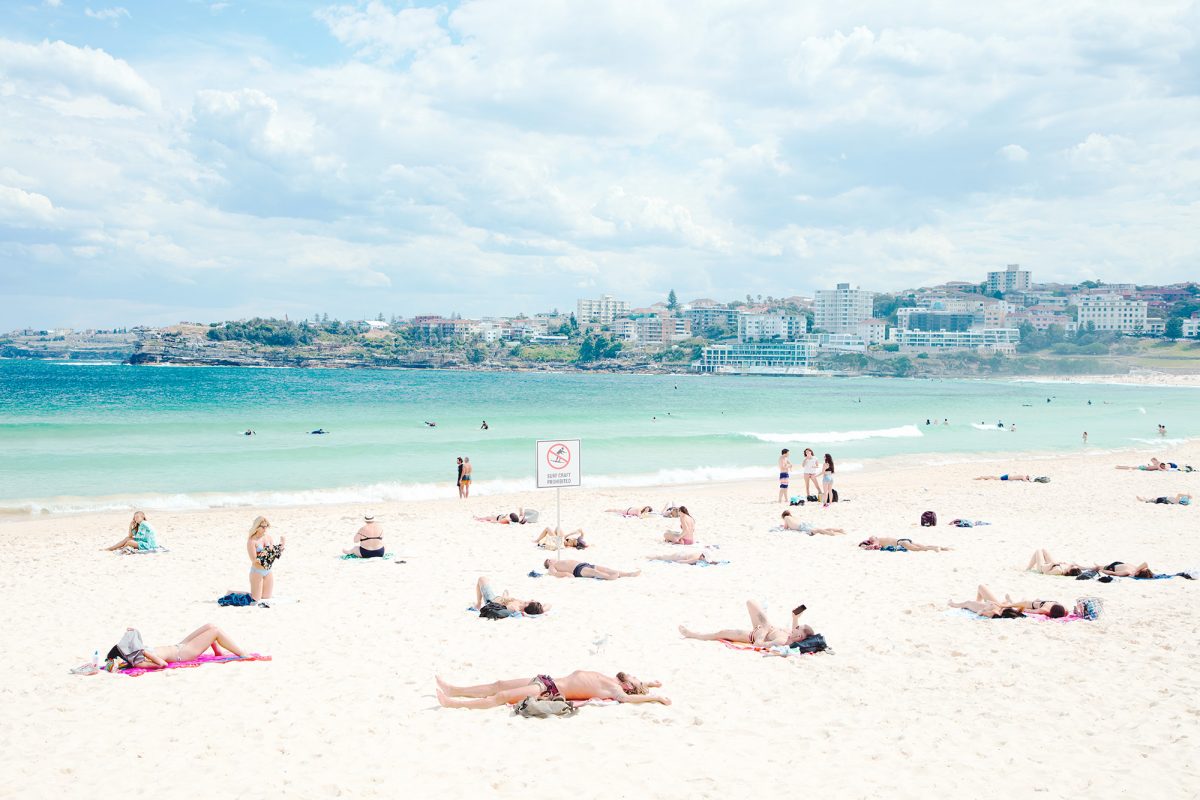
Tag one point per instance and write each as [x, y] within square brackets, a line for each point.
[77, 437]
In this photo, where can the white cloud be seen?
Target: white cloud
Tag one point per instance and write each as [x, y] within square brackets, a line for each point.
[114, 14]
[376, 30]
[53, 3]
[57, 70]
[20, 207]
[1014, 152]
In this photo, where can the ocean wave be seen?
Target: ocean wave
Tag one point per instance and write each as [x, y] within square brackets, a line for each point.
[829, 437]
[983, 426]
[364, 495]
[1158, 440]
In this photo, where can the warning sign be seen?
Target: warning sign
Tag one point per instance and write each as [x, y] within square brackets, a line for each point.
[558, 463]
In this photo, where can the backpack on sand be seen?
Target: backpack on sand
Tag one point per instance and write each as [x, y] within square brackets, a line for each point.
[833, 495]
[541, 708]
[813, 644]
[494, 610]
[928, 519]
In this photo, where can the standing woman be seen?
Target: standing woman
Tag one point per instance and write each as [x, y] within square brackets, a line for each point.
[263, 554]
[785, 474]
[140, 535]
[827, 481]
[458, 482]
[811, 469]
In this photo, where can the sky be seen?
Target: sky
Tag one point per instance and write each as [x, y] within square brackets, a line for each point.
[204, 161]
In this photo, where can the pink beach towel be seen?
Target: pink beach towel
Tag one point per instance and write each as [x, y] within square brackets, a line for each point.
[134, 672]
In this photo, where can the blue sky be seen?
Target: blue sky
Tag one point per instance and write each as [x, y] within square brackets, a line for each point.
[212, 160]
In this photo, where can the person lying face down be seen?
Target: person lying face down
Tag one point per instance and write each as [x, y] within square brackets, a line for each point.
[578, 685]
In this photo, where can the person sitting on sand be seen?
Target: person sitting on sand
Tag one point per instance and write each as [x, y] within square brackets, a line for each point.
[140, 535]
[790, 523]
[632, 512]
[1154, 466]
[189, 648]
[372, 532]
[485, 594]
[1177, 500]
[683, 558]
[1043, 562]
[554, 539]
[880, 542]
[1007, 477]
[579, 685]
[582, 569]
[762, 632]
[511, 518]
[687, 529]
[1119, 569]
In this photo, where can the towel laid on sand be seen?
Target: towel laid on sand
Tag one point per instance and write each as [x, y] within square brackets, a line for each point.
[129, 551]
[200, 661]
[775, 649]
[966, 612]
[697, 564]
[353, 557]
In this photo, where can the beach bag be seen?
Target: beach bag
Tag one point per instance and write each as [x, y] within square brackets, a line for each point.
[531, 515]
[494, 610]
[813, 644]
[833, 495]
[130, 649]
[812, 498]
[928, 519]
[541, 708]
[236, 599]
[796, 501]
[1089, 607]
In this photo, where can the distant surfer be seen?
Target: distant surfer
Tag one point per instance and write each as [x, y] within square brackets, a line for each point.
[484, 426]
[318, 432]
[248, 432]
[431, 424]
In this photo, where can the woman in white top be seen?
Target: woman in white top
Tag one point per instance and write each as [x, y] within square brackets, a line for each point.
[811, 470]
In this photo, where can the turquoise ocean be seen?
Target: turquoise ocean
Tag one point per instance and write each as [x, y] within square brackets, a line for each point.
[79, 437]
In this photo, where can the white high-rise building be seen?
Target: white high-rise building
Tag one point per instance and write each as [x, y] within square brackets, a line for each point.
[1012, 279]
[841, 310]
[784, 327]
[604, 310]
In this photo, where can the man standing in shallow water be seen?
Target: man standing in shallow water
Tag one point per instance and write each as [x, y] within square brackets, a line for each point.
[465, 482]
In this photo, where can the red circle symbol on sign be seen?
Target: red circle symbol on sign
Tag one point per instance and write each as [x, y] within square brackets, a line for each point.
[558, 456]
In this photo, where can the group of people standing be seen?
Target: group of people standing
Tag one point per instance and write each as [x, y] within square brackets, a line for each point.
[818, 476]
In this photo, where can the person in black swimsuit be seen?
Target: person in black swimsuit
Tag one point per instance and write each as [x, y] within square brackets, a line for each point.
[371, 532]
[582, 569]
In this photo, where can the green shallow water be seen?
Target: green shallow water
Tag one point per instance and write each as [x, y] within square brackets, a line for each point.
[110, 435]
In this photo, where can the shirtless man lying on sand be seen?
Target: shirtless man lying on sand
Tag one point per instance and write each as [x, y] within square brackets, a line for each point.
[761, 632]
[579, 685]
[484, 593]
[879, 542]
[582, 569]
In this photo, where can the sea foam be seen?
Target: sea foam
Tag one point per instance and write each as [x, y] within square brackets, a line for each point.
[832, 437]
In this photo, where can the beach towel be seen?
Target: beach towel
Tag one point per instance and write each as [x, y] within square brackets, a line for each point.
[697, 564]
[966, 523]
[774, 649]
[353, 557]
[200, 661]
[129, 551]
[1093, 575]
[236, 599]
[966, 612]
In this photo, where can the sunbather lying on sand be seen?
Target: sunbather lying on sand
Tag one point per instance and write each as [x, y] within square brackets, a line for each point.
[986, 604]
[1154, 466]
[579, 685]
[880, 542]
[511, 518]
[1043, 562]
[1007, 477]
[792, 524]
[683, 558]
[761, 632]
[581, 569]
[687, 529]
[191, 646]
[553, 539]
[633, 511]
[1119, 569]
[1177, 500]
[485, 594]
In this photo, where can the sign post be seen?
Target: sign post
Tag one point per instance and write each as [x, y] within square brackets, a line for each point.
[558, 464]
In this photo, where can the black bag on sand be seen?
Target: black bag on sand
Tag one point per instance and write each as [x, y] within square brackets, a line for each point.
[813, 644]
[928, 519]
[833, 496]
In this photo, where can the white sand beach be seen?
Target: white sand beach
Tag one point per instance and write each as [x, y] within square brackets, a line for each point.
[914, 700]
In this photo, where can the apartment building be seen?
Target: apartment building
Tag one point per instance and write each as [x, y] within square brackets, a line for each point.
[783, 327]
[1000, 340]
[702, 317]
[840, 310]
[603, 311]
[1011, 279]
[1111, 312]
[756, 357]
[923, 319]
